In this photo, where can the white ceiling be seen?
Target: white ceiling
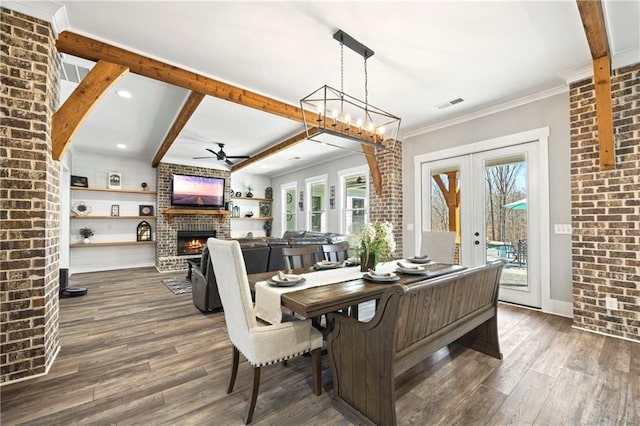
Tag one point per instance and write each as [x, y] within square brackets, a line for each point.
[489, 53]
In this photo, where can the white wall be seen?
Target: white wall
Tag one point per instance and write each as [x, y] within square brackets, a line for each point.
[239, 183]
[134, 172]
[331, 169]
[552, 112]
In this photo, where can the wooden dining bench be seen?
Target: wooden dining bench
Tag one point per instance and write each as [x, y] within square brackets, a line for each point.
[411, 322]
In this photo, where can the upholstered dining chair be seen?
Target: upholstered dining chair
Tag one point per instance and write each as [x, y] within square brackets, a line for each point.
[302, 257]
[337, 252]
[260, 344]
[440, 246]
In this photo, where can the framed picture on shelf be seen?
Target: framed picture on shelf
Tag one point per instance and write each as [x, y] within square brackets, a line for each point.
[143, 231]
[115, 180]
[265, 209]
[145, 210]
[79, 181]
[115, 210]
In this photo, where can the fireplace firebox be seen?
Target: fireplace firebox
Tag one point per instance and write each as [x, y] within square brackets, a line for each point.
[192, 242]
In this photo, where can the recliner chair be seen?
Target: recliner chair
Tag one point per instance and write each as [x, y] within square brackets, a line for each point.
[204, 288]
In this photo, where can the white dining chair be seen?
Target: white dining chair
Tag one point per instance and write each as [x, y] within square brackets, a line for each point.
[440, 246]
[260, 344]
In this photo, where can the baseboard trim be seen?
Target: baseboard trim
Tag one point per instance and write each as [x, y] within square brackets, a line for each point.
[604, 334]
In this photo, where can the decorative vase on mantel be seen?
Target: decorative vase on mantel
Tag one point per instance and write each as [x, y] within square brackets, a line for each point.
[367, 263]
[86, 240]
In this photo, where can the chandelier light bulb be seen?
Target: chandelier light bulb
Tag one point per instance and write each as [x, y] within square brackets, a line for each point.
[334, 114]
[371, 126]
[347, 118]
[359, 122]
[381, 130]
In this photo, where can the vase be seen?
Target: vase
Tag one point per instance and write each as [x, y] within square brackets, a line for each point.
[86, 241]
[368, 263]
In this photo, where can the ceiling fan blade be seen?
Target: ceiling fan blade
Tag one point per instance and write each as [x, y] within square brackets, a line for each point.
[238, 156]
[229, 162]
[215, 153]
[202, 158]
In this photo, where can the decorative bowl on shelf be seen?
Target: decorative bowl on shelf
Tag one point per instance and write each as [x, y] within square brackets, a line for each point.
[248, 214]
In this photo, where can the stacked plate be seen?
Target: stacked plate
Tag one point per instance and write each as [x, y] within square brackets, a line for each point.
[409, 268]
[388, 277]
[325, 264]
[285, 280]
[419, 259]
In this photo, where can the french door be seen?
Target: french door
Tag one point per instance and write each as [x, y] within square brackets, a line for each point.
[492, 199]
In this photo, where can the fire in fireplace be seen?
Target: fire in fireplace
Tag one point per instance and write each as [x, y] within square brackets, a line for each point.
[192, 242]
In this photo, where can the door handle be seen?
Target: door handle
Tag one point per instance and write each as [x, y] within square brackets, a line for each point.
[476, 242]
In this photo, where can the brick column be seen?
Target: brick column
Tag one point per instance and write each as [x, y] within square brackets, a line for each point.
[29, 189]
[605, 210]
[387, 207]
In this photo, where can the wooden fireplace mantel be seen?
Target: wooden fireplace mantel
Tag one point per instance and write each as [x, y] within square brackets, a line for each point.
[171, 212]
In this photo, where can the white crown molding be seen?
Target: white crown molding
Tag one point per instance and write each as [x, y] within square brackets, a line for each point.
[54, 13]
[489, 111]
[626, 57]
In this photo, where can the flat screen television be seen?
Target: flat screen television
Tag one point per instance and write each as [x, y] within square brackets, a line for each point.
[197, 191]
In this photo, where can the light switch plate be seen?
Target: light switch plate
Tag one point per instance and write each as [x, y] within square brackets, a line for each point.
[561, 228]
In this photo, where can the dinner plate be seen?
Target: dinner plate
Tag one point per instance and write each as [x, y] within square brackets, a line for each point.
[327, 265]
[279, 283]
[381, 279]
[413, 271]
[287, 278]
[419, 260]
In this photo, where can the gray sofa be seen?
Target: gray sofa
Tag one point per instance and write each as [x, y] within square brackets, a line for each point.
[260, 255]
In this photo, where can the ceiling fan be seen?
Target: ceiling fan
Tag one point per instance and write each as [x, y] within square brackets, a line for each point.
[222, 156]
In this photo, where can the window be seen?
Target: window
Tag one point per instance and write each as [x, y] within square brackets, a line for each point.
[354, 200]
[317, 204]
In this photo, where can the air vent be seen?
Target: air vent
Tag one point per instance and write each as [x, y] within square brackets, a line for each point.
[73, 73]
[447, 104]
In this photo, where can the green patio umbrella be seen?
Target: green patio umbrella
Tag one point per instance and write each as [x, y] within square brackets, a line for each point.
[517, 205]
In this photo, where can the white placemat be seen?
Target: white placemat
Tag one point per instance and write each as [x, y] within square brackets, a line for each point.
[268, 303]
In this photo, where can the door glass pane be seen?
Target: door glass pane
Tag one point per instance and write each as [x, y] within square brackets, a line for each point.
[317, 210]
[355, 203]
[290, 209]
[445, 202]
[506, 218]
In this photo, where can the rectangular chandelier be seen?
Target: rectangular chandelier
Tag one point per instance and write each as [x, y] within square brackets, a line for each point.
[346, 122]
[335, 118]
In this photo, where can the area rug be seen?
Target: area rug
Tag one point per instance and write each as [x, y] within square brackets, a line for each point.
[178, 285]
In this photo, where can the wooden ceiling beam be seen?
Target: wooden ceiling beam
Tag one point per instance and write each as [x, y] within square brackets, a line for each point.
[67, 120]
[592, 17]
[294, 140]
[189, 107]
[94, 50]
[374, 168]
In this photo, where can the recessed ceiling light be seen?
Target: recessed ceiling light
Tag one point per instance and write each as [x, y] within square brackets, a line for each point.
[121, 146]
[124, 94]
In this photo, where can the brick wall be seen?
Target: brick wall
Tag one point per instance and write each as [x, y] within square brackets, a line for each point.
[605, 209]
[166, 233]
[387, 207]
[29, 188]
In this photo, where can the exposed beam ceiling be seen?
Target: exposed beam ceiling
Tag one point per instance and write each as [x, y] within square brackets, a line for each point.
[186, 112]
[274, 149]
[94, 50]
[66, 121]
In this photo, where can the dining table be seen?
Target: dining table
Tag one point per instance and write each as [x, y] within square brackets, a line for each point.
[339, 288]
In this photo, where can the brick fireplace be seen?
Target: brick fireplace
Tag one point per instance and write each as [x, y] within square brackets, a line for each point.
[167, 257]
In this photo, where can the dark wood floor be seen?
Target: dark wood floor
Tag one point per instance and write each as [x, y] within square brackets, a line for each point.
[134, 353]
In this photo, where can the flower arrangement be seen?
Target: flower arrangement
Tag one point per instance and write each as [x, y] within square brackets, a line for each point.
[374, 239]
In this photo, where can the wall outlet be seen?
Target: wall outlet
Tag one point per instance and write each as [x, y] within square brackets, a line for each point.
[611, 303]
[560, 228]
